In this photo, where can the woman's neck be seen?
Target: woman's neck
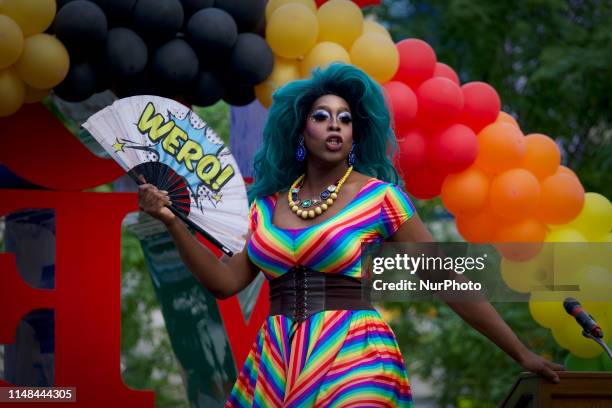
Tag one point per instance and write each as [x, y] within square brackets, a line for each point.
[319, 177]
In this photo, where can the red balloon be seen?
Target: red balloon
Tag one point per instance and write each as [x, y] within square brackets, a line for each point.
[403, 104]
[424, 183]
[453, 149]
[440, 102]
[417, 62]
[443, 70]
[481, 105]
[412, 150]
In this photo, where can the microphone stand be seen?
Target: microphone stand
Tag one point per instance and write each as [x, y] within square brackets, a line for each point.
[600, 341]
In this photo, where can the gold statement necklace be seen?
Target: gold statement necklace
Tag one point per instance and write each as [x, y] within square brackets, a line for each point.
[315, 206]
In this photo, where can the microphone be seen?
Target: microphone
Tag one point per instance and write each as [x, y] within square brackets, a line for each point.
[590, 326]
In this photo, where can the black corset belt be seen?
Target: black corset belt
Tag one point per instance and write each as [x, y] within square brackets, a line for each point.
[301, 292]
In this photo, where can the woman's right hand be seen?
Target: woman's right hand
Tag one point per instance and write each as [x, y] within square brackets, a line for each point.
[155, 202]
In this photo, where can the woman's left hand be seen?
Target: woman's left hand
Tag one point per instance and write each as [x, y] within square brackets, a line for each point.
[542, 367]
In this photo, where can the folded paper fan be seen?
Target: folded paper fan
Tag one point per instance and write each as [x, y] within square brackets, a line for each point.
[173, 149]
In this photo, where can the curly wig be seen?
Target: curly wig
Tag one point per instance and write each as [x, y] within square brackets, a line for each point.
[275, 165]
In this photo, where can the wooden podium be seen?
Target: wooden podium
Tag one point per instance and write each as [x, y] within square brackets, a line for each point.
[576, 390]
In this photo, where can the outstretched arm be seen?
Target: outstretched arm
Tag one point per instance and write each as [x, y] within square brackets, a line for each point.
[481, 315]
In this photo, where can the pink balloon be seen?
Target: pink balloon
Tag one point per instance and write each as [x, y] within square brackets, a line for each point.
[417, 62]
[440, 102]
[443, 70]
[424, 183]
[403, 104]
[481, 105]
[412, 150]
[453, 149]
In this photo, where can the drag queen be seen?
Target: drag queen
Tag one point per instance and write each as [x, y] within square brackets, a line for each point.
[324, 184]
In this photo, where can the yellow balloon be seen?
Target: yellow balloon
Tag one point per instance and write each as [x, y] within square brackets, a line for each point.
[570, 250]
[565, 235]
[377, 55]
[11, 41]
[522, 276]
[595, 283]
[33, 16]
[595, 219]
[371, 26]
[284, 71]
[274, 4]
[569, 336]
[547, 310]
[12, 92]
[604, 238]
[340, 21]
[323, 54]
[44, 62]
[292, 30]
[33, 95]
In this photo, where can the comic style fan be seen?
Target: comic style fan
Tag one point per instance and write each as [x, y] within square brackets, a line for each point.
[173, 149]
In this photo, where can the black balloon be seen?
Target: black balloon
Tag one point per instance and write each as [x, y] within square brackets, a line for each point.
[125, 52]
[251, 61]
[103, 77]
[212, 31]
[175, 64]
[205, 90]
[139, 84]
[157, 20]
[80, 83]
[81, 25]
[191, 6]
[247, 13]
[238, 95]
[118, 12]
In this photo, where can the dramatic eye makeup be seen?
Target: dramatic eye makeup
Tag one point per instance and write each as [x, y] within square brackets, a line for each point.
[345, 117]
[321, 115]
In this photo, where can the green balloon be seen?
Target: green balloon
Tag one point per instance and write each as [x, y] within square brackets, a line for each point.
[606, 361]
[573, 363]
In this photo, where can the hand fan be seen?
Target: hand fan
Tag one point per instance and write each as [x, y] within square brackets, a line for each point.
[176, 151]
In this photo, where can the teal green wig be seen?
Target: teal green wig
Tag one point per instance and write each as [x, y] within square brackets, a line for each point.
[275, 165]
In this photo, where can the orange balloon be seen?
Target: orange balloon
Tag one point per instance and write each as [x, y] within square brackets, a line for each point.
[520, 240]
[561, 199]
[465, 192]
[514, 194]
[542, 156]
[507, 118]
[478, 227]
[566, 170]
[501, 146]
[525, 230]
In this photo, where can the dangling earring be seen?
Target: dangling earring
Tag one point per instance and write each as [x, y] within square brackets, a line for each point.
[300, 151]
[351, 156]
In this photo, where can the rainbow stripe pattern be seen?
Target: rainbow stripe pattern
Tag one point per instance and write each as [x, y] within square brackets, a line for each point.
[336, 358]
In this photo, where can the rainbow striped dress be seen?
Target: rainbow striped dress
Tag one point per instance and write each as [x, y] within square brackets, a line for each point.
[336, 358]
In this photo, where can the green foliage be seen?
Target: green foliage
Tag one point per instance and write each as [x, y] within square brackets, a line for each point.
[216, 116]
[463, 364]
[147, 359]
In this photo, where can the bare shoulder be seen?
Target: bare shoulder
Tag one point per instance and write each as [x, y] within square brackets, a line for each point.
[356, 181]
